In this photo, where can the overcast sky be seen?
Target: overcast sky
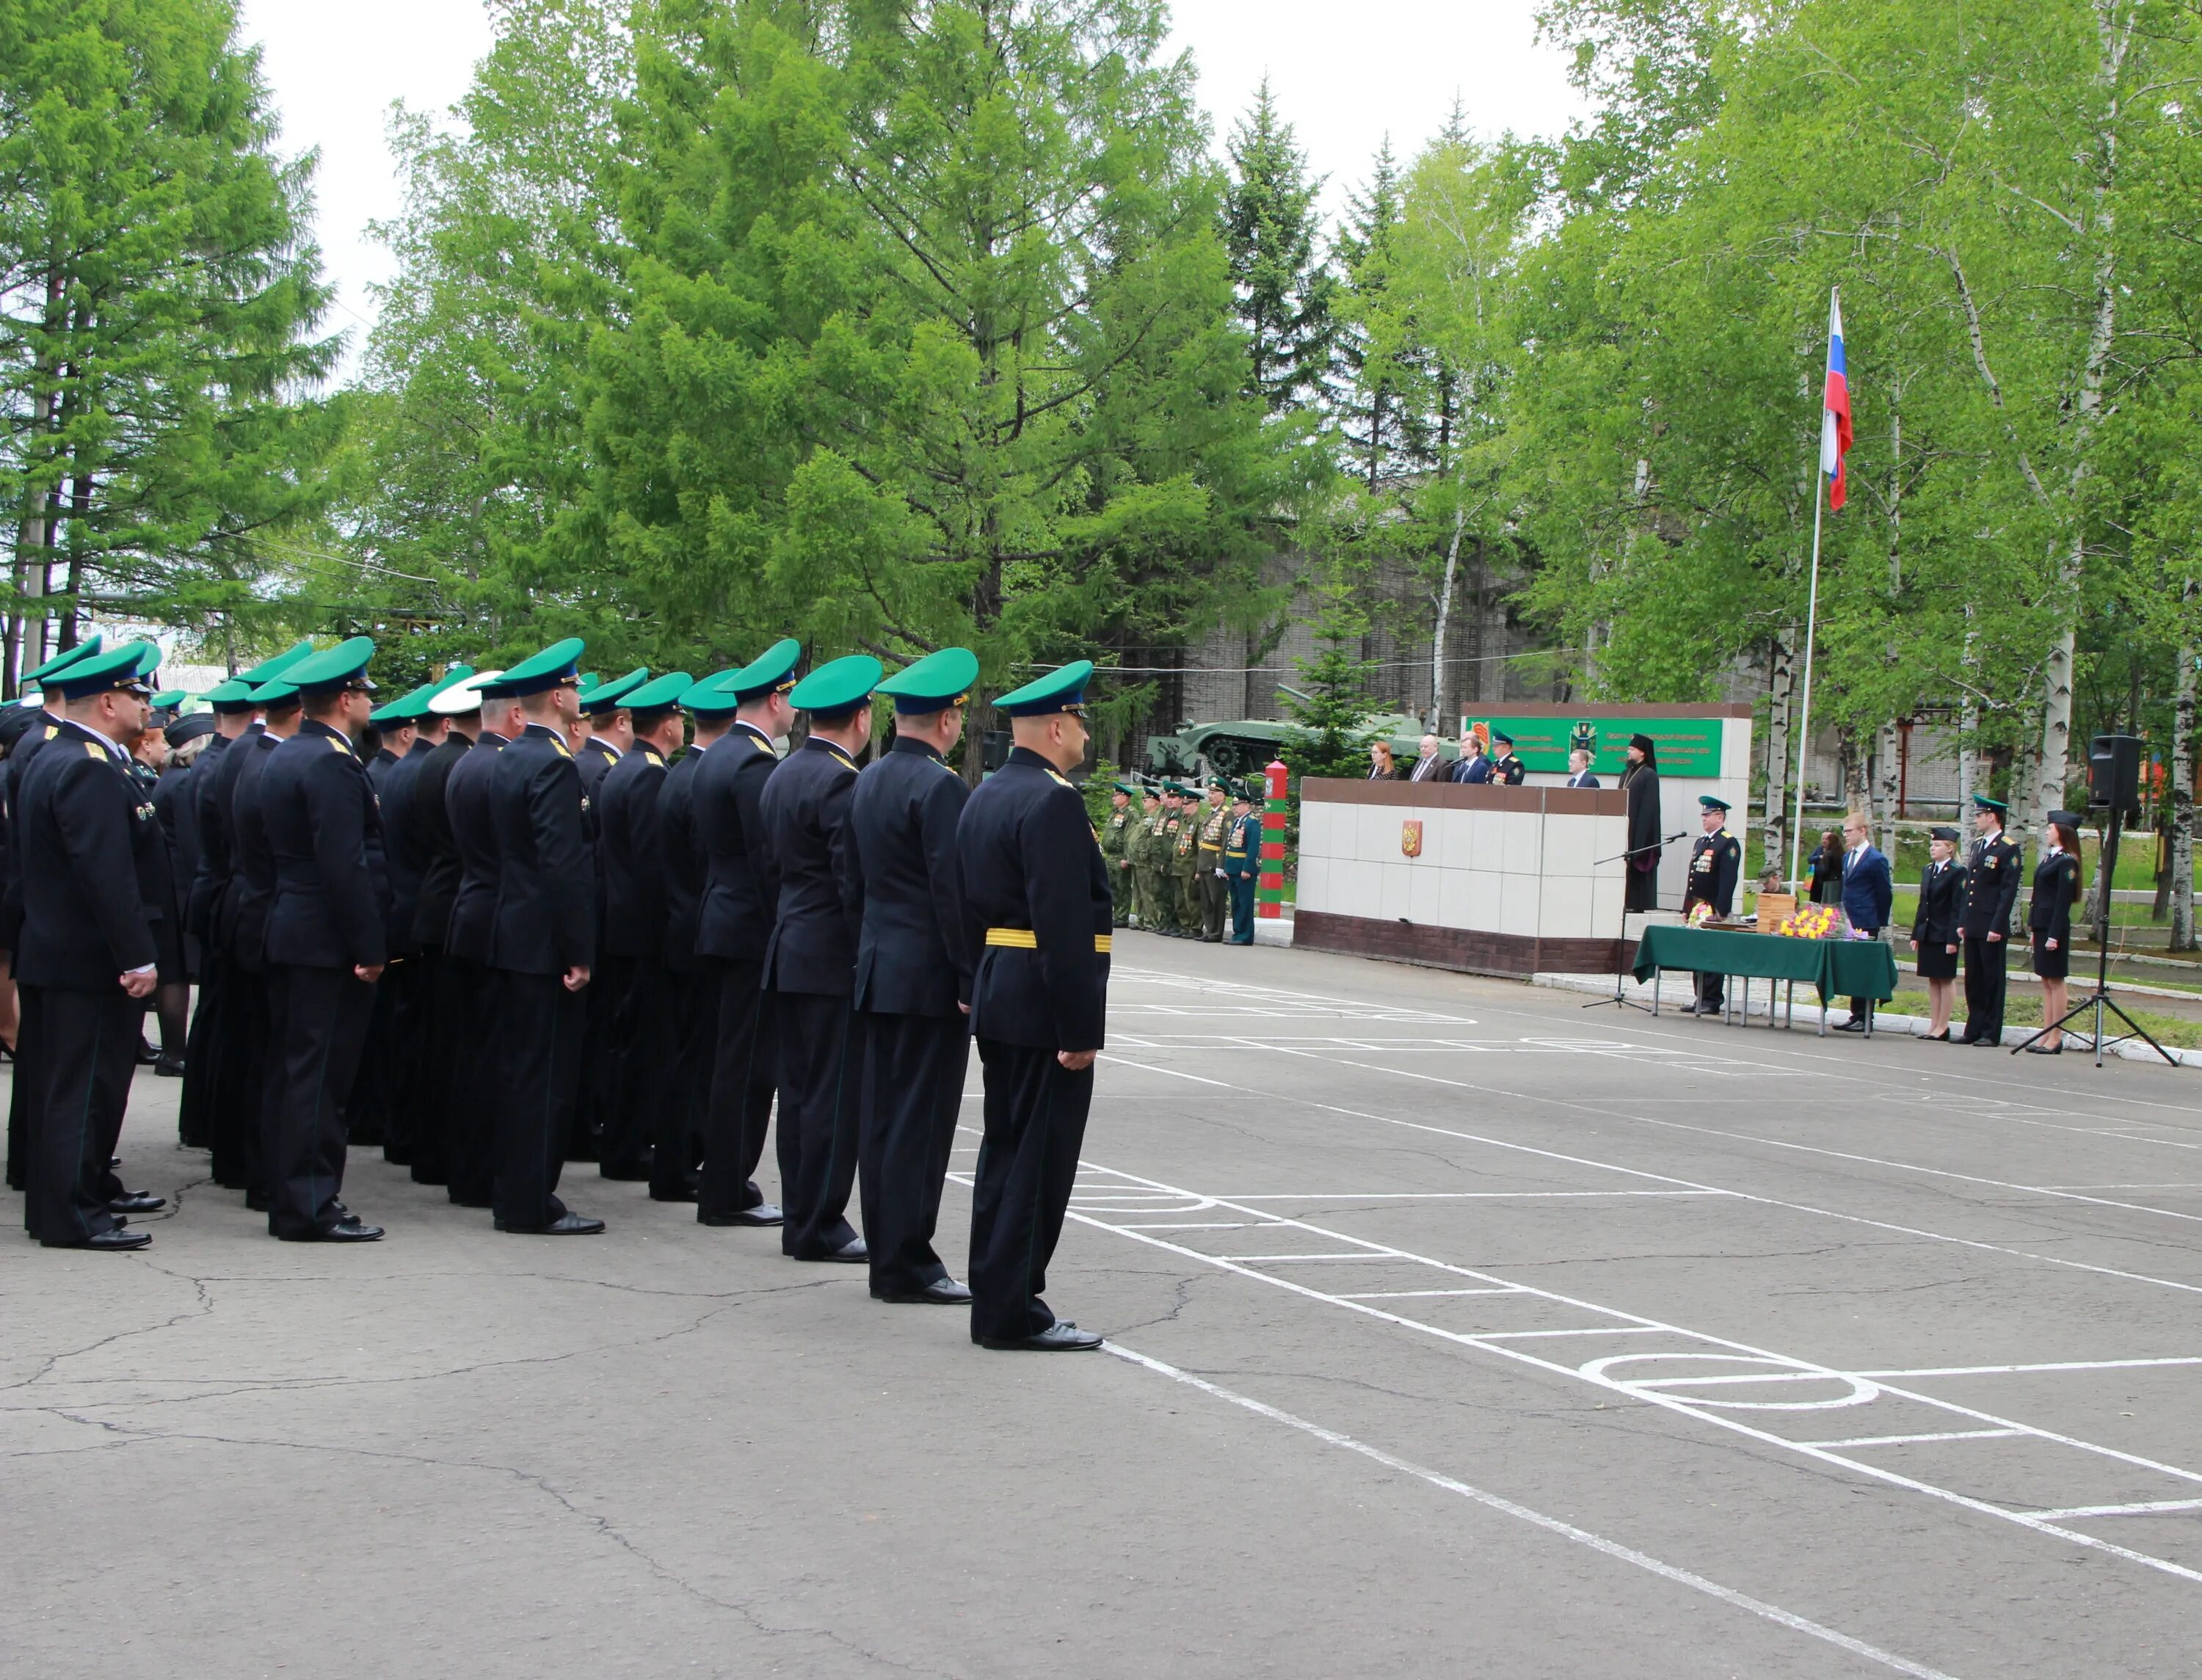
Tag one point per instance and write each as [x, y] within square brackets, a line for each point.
[1346, 75]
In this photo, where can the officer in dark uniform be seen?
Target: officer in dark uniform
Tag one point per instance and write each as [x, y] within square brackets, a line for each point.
[1506, 770]
[1992, 871]
[913, 973]
[810, 963]
[733, 926]
[1036, 904]
[1715, 862]
[681, 1147]
[327, 940]
[85, 957]
[471, 1144]
[177, 814]
[610, 731]
[393, 729]
[1213, 895]
[631, 986]
[606, 732]
[543, 939]
[1242, 864]
[31, 728]
[449, 1054]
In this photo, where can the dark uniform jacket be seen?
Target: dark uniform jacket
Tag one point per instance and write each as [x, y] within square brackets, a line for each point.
[400, 846]
[213, 782]
[466, 799]
[1242, 847]
[740, 886]
[594, 762]
[546, 883]
[1941, 901]
[324, 833]
[176, 810]
[252, 874]
[428, 837]
[630, 852]
[13, 769]
[685, 865]
[1028, 860]
[912, 953]
[379, 767]
[1715, 861]
[1991, 887]
[2056, 890]
[1508, 771]
[83, 840]
[805, 809]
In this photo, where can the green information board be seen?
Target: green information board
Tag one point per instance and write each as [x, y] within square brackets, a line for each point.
[1687, 747]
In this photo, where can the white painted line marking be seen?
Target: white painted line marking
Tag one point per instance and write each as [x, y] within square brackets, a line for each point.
[2012, 1371]
[1409, 1295]
[1236, 1225]
[1907, 1439]
[1471, 1195]
[2144, 1510]
[1254, 1260]
[1616, 1329]
[1596, 1542]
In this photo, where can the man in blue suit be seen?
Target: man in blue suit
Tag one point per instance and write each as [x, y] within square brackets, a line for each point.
[1867, 891]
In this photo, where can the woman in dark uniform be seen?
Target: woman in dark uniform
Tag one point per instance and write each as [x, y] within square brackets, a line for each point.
[2056, 890]
[1934, 929]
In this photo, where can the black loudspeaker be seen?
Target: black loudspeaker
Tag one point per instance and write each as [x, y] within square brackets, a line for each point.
[994, 749]
[2114, 771]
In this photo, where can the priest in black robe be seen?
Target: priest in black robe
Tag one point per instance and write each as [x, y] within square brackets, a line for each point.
[1640, 780]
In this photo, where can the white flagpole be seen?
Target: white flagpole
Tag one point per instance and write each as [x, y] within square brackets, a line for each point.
[1812, 600]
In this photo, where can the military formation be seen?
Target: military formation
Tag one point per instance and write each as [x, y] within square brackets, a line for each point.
[1182, 865]
[515, 919]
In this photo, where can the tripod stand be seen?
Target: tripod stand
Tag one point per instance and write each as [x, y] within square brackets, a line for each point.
[1619, 998]
[2100, 1002]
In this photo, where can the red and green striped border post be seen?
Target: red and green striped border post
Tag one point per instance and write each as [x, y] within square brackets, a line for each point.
[1269, 885]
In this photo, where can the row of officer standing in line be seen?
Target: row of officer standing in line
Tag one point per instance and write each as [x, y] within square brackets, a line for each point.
[1183, 867]
[766, 927]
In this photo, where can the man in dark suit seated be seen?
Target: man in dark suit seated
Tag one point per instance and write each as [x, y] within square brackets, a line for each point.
[1867, 892]
[1579, 774]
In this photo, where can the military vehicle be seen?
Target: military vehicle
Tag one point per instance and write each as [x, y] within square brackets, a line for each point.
[1245, 746]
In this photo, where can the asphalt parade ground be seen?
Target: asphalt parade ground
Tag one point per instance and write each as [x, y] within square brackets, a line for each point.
[1454, 1328]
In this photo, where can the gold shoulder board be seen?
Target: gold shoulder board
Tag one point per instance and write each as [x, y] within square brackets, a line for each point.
[93, 750]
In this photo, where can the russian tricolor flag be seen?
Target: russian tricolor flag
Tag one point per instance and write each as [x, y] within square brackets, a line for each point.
[1835, 416]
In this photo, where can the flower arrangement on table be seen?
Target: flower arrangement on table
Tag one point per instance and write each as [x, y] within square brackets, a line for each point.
[1816, 922]
[1700, 913]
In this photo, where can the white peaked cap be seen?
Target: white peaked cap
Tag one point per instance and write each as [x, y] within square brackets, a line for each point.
[461, 697]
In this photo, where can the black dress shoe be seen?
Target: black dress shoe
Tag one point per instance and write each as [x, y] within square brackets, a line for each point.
[1852, 1025]
[566, 1224]
[115, 1241]
[1942, 1037]
[168, 1067]
[849, 1254]
[678, 1192]
[941, 1292]
[764, 1213]
[137, 1201]
[146, 1054]
[344, 1230]
[2045, 1049]
[255, 1202]
[1061, 1337]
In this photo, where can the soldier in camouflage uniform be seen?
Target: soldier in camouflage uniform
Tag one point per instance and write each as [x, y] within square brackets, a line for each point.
[1162, 852]
[1140, 852]
[1210, 891]
[1184, 865]
[1116, 832]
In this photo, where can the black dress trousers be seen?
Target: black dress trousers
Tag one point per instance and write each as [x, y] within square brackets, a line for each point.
[239, 1079]
[538, 1070]
[1987, 964]
[374, 1088]
[914, 1067]
[619, 989]
[739, 1108]
[1028, 1162]
[195, 1103]
[677, 1129]
[406, 983]
[470, 1140]
[442, 1035]
[326, 1017]
[820, 1064]
[83, 1050]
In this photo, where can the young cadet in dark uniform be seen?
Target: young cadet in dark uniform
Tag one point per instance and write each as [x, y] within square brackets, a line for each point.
[606, 732]
[1506, 770]
[680, 1146]
[1715, 862]
[470, 1143]
[1242, 865]
[241, 1163]
[85, 957]
[913, 974]
[327, 941]
[810, 963]
[449, 1052]
[543, 939]
[1036, 905]
[1935, 933]
[734, 924]
[631, 984]
[2049, 920]
[1991, 892]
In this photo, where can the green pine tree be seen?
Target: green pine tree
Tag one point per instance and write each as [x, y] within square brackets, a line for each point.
[1283, 288]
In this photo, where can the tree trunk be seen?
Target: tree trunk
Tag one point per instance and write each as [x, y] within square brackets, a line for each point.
[1857, 791]
[2182, 794]
[1886, 763]
[1781, 697]
[1445, 616]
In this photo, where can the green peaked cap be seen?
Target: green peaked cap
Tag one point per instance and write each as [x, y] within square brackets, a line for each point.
[1062, 690]
[774, 668]
[616, 694]
[61, 662]
[168, 698]
[149, 659]
[343, 666]
[556, 664]
[112, 668]
[838, 687]
[710, 697]
[660, 693]
[934, 683]
[268, 669]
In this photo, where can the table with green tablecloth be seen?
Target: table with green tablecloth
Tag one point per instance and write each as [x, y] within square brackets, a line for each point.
[1839, 967]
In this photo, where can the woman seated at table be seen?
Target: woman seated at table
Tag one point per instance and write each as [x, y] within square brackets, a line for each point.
[1934, 929]
[2056, 890]
[1381, 766]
